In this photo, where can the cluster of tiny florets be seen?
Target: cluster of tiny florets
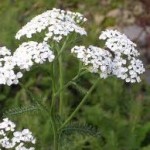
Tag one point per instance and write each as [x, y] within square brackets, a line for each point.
[25, 56]
[11, 139]
[30, 53]
[95, 58]
[118, 43]
[56, 23]
[125, 62]
[8, 75]
[119, 57]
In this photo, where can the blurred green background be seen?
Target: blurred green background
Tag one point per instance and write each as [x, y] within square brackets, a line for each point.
[120, 111]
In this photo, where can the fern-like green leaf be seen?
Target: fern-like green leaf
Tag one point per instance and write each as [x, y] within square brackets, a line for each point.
[21, 110]
[82, 129]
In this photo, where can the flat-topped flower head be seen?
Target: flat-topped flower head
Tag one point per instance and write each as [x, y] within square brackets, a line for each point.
[125, 62]
[9, 138]
[57, 24]
[118, 43]
[96, 59]
[128, 70]
[8, 75]
[119, 57]
[30, 53]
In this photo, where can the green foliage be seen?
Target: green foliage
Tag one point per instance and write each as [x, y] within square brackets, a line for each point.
[78, 136]
[80, 129]
[21, 110]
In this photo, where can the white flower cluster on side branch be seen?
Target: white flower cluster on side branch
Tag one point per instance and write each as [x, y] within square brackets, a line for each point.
[56, 23]
[25, 56]
[94, 58]
[11, 139]
[8, 75]
[29, 53]
[119, 57]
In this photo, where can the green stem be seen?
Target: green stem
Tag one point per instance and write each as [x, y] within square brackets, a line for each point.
[61, 83]
[54, 128]
[52, 109]
[80, 104]
[53, 89]
[70, 82]
[61, 79]
[55, 140]
[53, 124]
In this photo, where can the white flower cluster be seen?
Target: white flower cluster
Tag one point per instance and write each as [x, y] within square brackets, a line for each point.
[32, 52]
[18, 139]
[58, 23]
[97, 59]
[125, 62]
[7, 68]
[119, 43]
[119, 57]
[25, 56]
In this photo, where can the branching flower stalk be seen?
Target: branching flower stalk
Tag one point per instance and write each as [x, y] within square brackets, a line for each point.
[118, 57]
[80, 73]
[80, 104]
[61, 76]
[53, 109]
[59, 23]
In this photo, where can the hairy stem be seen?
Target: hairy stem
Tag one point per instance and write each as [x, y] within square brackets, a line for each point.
[61, 78]
[53, 109]
[70, 82]
[61, 83]
[80, 104]
[55, 138]
[53, 89]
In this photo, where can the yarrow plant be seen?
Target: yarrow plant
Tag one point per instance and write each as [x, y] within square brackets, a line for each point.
[11, 139]
[118, 57]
